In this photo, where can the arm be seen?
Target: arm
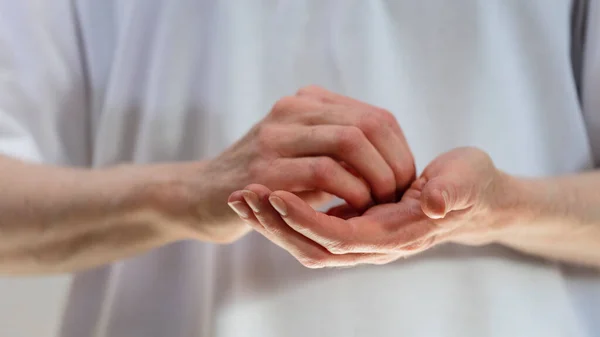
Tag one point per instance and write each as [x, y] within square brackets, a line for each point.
[62, 219]
[557, 218]
[460, 197]
[56, 219]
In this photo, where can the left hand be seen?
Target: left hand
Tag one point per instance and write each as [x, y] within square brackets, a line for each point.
[460, 197]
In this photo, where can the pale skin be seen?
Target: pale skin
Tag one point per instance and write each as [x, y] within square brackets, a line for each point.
[55, 219]
[554, 218]
[310, 146]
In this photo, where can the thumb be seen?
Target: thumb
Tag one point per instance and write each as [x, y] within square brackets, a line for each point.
[443, 194]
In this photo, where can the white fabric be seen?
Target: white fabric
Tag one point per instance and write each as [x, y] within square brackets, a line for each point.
[101, 82]
[591, 79]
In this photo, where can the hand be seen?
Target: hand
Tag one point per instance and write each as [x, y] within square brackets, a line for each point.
[459, 197]
[314, 144]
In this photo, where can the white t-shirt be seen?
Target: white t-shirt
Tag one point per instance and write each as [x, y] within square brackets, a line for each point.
[94, 83]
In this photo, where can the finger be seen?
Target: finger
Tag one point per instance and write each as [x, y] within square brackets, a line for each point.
[383, 132]
[238, 201]
[238, 205]
[329, 231]
[315, 198]
[382, 229]
[350, 169]
[379, 126]
[319, 173]
[269, 223]
[322, 95]
[344, 143]
[343, 211]
[447, 193]
[325, 96]
[455, 181]
[414, 191]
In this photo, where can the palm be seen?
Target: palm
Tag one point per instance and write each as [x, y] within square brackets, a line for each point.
[448, 202]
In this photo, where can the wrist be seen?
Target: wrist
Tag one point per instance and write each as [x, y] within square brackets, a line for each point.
[190, 201]
[504, 209]
[529, 208]
[150, 193]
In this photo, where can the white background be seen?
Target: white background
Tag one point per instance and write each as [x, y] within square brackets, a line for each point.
[32, 307]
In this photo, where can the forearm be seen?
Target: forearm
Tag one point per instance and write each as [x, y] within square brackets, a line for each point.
[557, 218]
[56, 219]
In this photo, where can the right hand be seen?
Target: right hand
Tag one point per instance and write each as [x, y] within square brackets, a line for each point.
[314, 143]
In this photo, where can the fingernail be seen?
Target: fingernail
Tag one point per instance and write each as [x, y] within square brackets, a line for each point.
[252, 200]
[279, 205]
[240, 209]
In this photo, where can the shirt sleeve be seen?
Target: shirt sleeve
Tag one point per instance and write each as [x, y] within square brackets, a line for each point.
[590, 77]
[43, 91]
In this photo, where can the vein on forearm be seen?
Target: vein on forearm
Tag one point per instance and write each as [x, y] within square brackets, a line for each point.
[60, 219]
[561, 218]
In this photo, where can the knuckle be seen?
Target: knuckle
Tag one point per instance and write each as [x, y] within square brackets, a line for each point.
[484, 157]
[255, 169]
[262, 170]
[386, 116]
[322, 169]
[369, 124]
[473, 150]
[283, 106]
[477, 154]
[350, 139]
[309, 90]
[265, 135]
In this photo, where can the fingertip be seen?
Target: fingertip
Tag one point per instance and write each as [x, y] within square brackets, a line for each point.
[383, 193]
[252, 199]
[363, 208]
[290, 204]
[279, 205]
[241, 209]
[360, 199]
[434, 203]
[236, 196]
